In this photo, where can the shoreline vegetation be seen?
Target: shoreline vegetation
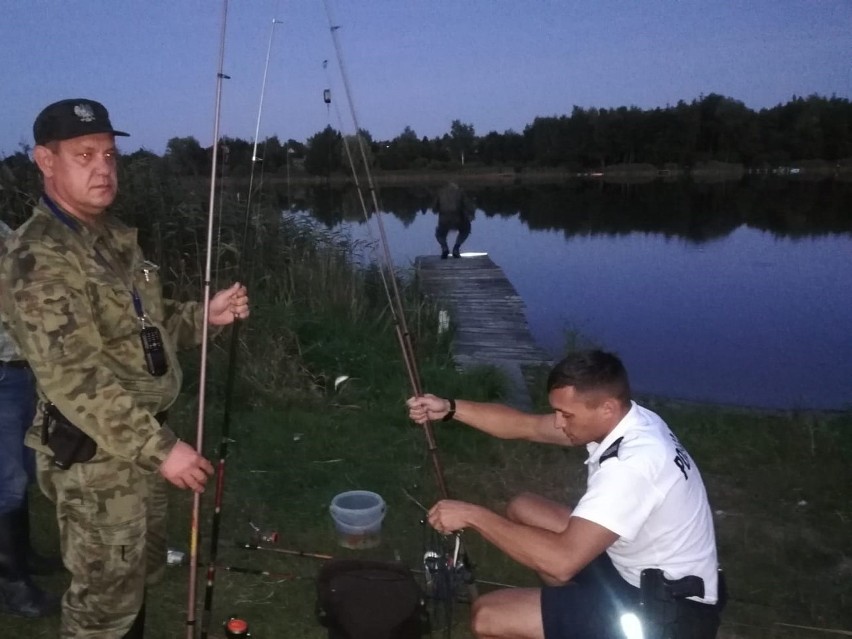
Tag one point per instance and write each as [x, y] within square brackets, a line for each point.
[703, 172]
[778, 481]
[710, 135]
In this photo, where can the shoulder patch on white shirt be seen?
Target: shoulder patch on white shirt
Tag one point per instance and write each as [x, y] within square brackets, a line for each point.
[611, 452]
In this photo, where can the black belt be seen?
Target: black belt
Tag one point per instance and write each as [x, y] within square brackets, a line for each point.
[15, 363]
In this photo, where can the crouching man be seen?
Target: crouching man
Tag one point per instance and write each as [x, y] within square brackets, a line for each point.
[638, 549]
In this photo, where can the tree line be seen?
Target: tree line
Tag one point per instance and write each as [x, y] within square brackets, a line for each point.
[710, 128]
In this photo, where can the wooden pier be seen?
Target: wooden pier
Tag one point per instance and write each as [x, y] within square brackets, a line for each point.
[490, 325]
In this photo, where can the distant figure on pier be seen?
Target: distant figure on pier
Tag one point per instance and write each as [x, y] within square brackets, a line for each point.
[455, 211]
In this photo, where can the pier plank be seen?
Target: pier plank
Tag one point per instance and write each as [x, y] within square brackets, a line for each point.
[488, 317]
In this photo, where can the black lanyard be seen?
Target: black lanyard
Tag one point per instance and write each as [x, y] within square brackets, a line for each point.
[74, 225]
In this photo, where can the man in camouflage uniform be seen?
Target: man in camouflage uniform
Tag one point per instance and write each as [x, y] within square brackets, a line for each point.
[75, 292]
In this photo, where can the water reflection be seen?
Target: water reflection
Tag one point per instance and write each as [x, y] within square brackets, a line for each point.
[695, 211]
[735, 293]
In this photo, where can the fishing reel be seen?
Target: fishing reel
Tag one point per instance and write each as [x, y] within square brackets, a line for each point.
[432, 565]
[445, 564]
[448, 579]
[444, 576]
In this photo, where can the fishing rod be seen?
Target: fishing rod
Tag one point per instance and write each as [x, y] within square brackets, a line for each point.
[230, 381]
[440, 570]
[464, 567]
[254, 158]
[280, 576]
[392, 289]
[202, 382]
[324, 557]
[284, 551]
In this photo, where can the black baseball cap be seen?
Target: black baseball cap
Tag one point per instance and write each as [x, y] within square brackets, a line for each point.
[72, 118]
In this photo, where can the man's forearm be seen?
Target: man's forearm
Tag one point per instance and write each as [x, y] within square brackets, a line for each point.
[500, 421]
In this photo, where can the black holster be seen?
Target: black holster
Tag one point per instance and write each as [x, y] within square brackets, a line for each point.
[661, 598]
[69, 444]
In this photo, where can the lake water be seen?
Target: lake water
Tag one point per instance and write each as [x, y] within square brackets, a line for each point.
[716, 311]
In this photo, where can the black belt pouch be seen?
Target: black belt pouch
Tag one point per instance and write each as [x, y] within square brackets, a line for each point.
[69, 444]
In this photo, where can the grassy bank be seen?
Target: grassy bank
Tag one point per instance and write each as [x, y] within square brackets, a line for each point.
[779, 484]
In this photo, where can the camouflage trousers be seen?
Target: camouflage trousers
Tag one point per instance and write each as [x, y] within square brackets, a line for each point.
[112, 530]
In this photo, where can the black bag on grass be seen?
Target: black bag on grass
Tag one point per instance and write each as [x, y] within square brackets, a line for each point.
[358, 599]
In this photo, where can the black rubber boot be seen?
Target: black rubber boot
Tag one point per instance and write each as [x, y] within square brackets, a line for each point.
[18, 594]
[137, 630]
[36, 564]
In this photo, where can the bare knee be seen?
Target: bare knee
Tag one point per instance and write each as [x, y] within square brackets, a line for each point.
[533, 510]
[508, 613]
[481, 619]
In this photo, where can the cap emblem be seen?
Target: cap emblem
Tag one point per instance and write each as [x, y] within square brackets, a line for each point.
[84, 112]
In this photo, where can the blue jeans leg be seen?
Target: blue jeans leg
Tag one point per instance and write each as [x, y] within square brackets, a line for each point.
[17, 462]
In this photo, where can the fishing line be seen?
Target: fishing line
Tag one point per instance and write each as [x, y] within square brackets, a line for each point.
[232, 370]
[351, 160]
[202, 382]
[394, 297]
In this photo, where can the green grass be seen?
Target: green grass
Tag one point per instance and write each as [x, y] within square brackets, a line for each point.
[778, 486]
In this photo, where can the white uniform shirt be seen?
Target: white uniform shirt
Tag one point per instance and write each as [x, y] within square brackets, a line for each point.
[648, 491]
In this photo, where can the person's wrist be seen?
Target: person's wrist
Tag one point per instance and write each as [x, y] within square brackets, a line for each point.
[451, 412]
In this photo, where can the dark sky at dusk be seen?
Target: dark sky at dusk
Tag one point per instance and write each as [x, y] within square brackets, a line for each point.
[494, 64]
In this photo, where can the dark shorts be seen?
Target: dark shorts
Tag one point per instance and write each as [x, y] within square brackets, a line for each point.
[589, 606]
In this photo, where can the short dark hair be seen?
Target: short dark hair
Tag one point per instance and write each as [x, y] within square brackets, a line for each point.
[592, 370]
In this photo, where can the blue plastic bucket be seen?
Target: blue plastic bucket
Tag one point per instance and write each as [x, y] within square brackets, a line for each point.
[358, 516]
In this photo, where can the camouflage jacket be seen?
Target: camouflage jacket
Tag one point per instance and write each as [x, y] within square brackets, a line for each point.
[66, 297]
[8, 349]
